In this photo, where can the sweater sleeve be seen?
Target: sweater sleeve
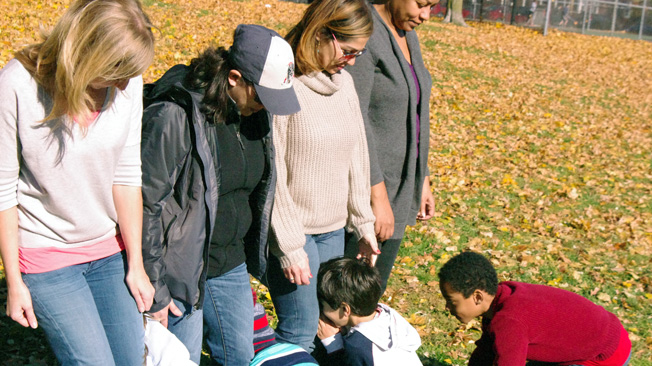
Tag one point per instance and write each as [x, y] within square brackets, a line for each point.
[510, 341]
[504, 342]
[9, 166]
[483, 354]
[128, 172]
[163, 152]
[361, 219]
[353, 350]
[286, 224]
[363, 76]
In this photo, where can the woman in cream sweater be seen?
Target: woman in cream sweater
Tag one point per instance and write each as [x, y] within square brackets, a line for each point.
[322, 163]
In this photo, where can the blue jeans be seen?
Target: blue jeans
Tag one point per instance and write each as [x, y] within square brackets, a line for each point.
[188, 328]
[229, 317]
[88, 314]
[297, 307]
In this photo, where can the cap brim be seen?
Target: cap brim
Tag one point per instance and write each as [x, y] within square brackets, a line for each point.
[278, 101]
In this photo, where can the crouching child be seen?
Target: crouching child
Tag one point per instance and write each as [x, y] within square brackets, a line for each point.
[354, 328]
[524, 322]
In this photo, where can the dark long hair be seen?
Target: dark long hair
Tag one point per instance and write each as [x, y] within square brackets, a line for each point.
[210, 73]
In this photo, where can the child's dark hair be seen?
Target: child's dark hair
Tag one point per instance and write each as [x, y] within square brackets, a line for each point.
[467, 272]
[350, 281]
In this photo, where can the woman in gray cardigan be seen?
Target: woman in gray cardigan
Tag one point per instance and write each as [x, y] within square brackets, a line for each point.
[393, 86]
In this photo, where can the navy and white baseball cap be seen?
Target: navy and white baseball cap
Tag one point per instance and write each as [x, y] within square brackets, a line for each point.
[266, 59]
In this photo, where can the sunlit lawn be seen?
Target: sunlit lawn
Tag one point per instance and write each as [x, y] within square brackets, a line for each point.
[540, 157]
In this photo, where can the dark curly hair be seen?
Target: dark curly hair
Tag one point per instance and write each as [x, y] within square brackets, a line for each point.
[350, 281]
[467, 272]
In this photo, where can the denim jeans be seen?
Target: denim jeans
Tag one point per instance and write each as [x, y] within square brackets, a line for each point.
[188, 328]
[297, 307]
[229, 317]
[88, 314]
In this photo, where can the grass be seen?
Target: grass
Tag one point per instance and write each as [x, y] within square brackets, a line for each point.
[540, 158]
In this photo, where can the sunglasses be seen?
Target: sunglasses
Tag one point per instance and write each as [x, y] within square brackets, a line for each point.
[346, 56]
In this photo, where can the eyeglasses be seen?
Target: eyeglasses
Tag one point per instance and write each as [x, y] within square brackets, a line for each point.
[346, 56]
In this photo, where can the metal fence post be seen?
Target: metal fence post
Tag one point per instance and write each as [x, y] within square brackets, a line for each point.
[547, 20]
[613, 18]
[640, 28]
[584, 9]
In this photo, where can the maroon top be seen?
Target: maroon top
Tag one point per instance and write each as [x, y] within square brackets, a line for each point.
[547, 324]
[416, 83]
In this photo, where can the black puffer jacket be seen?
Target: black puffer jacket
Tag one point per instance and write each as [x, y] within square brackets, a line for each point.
[181, 189]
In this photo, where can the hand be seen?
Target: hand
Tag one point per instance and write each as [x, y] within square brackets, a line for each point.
[368, 248]
[19, 305]
[298, 274]
[326, 329]
[427, 209]
[384, 226]
[140, 287]
[162, 315]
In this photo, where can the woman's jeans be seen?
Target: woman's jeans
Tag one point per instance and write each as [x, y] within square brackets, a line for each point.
[296, 306]
[227, 316]
[88, 314]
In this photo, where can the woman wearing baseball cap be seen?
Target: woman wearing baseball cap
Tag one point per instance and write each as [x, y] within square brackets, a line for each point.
[208, 184]
[322, 163]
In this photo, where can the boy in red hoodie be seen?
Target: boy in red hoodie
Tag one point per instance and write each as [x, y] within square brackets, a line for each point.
[524, 322]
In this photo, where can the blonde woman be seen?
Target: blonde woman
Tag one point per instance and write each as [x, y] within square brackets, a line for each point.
[70, 200]
[322, 163]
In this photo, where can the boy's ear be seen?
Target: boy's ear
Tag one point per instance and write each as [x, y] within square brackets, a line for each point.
[345, 309]
[478, 297]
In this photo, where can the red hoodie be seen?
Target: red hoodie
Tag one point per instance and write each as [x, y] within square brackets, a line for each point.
[547, 324]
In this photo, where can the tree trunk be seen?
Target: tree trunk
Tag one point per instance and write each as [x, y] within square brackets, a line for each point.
[454, 13]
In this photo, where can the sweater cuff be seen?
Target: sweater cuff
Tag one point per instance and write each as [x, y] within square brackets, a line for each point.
[294, 257]
[333, 343]
[363, 230]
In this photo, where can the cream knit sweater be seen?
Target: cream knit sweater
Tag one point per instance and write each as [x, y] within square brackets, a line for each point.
[323, 166]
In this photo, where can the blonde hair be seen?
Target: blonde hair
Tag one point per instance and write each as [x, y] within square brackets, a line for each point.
[107, 39]
[346, 19]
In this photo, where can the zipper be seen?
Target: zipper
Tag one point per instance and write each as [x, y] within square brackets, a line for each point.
[236, 127]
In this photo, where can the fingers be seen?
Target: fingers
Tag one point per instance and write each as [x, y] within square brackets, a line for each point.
[298, 275]
[161, 316]
[175, 310]
[427, 210]
[139, 301]
[372, 243]
[383, 231]
[371, 257]
[31, 318]
[148, 296]
[24, 316]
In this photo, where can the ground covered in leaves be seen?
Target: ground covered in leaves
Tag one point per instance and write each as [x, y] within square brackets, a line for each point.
[540, 157]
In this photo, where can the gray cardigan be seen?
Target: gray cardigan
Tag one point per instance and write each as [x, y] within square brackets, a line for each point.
[387, 94]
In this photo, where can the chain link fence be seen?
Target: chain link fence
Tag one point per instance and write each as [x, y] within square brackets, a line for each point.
[619, 18]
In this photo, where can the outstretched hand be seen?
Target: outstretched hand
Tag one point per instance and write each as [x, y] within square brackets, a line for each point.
[368, 248]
